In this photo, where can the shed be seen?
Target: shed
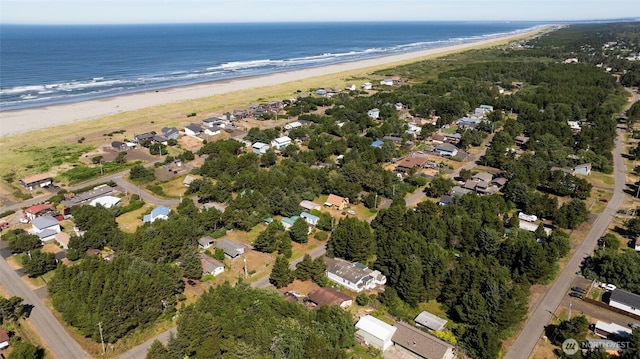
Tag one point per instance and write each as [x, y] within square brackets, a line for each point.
[205, 242]
[309, 205]
[430, 321]
[374, 332]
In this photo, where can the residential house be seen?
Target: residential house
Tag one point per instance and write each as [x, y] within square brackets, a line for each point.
[521, 140]
[377, 143]
[452, 137]
[459, 191]
[62, 239]
[213, 121]
[446, 149]
[39, 210]
[158, 213]
[310, 218]
[611, 330]
[336, 201]
[499, 182]
[212, 131]
[517, 85]
[399, 106]
[354, 276]
[37, 181]
[170, 133]
[350, 87]
[437, 138]
[445, 200]
[413, 130]
[287, 222]
[330, 296]
[210, 265]
[386, 82]
[308, 205]
[281, 143]
[260, 148]
[231, 248]
[4, 338]
[374, 332]
[583, 169]
[45, 227]
[159, 139]
[119, 146]
[193, 130]
[374, 113]
[469, 122]
[636, 244]
[187, 180]
[292, 125]
[321, 92]
[396, 80]
[418, 343]
[430, 321]
[366, 86]
[574, 126]
[627, 301]
[411, 162]
[72, 200]
[143, 137]
[205, 242]
[105, 201]
[532, 227]
[482, 176]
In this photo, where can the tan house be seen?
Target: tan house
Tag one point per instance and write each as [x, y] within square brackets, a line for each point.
[337, 202]
[416, 343]
[330, 296]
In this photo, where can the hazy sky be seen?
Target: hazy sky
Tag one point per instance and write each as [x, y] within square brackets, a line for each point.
[177, 11]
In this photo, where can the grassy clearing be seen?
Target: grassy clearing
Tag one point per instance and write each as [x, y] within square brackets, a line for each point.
[130, 221]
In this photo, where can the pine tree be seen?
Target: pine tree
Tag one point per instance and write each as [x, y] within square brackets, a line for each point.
[157, 351]
[191, 264]
[304, 269]
[281, 275]
[300, 231]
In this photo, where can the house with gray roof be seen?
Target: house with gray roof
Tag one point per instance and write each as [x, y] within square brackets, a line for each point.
[410, 340]
[205, 242]
[170, 133]
[210, 265]
[430, 321]
[231, 248]
[354, 276]
[193, 130]
[627, 301]
[45, 227]
[446, 149]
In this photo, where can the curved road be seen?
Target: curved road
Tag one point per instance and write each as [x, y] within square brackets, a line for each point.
[544, 311]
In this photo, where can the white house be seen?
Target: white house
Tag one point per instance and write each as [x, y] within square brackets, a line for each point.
[292, 125]
[366, 86]
[527, 217]
[583, 169]
[350, 87]
[260, 148]
[627, 301]
[354, 276]
[105, 201]
[212, 131]
[158, 213]
[607, 330]
[310, 218]
[374, 332]
[374, 113]
[205, 242]
[210, 265]
[446, 149]
[193, 130]
[309, 205]
[387, 82]
[4, 338]
[281, 142]
[45, 227]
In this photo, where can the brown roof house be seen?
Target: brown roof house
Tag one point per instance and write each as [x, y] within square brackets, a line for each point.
[417, 343]
[330, 296]
[4, 338]
[37, 181]
[411, 162]
[337, 202]
[210, 265]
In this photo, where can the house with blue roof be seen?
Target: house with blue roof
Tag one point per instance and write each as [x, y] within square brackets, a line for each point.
[377, 143]
[160, 212]
[310, 218]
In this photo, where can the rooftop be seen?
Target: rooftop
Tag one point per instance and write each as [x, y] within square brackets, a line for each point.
[430, 321]
[624, 297]
[420, 342]
[375, 327]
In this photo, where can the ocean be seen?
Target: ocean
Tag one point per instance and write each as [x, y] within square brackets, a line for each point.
[44, 65]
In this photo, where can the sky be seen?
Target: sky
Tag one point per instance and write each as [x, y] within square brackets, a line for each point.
[223, 11]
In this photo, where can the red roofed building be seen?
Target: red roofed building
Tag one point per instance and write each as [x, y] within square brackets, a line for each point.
[4, 338]
[39, 210]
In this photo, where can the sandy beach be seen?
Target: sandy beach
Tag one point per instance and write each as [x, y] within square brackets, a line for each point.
[27, 120]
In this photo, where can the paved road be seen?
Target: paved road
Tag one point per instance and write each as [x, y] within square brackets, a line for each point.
[543, 312]
[60, 343]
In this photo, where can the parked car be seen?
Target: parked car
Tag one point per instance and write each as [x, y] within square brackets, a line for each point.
[23, 220]
[576, 295]
[608, 287]
[634, 325]
[4, 225]
[579, 290]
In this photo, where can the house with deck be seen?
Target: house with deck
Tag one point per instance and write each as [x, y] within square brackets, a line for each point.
[353, 276]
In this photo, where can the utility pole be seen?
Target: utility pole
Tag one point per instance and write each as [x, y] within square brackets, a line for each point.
[570, 303]
[101, 337]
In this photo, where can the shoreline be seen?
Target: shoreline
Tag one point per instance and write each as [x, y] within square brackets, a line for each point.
[15, 122]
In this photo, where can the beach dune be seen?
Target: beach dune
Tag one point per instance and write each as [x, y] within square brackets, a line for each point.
[32, 119]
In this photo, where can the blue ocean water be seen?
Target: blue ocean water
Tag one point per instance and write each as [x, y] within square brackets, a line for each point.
[42, 65]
